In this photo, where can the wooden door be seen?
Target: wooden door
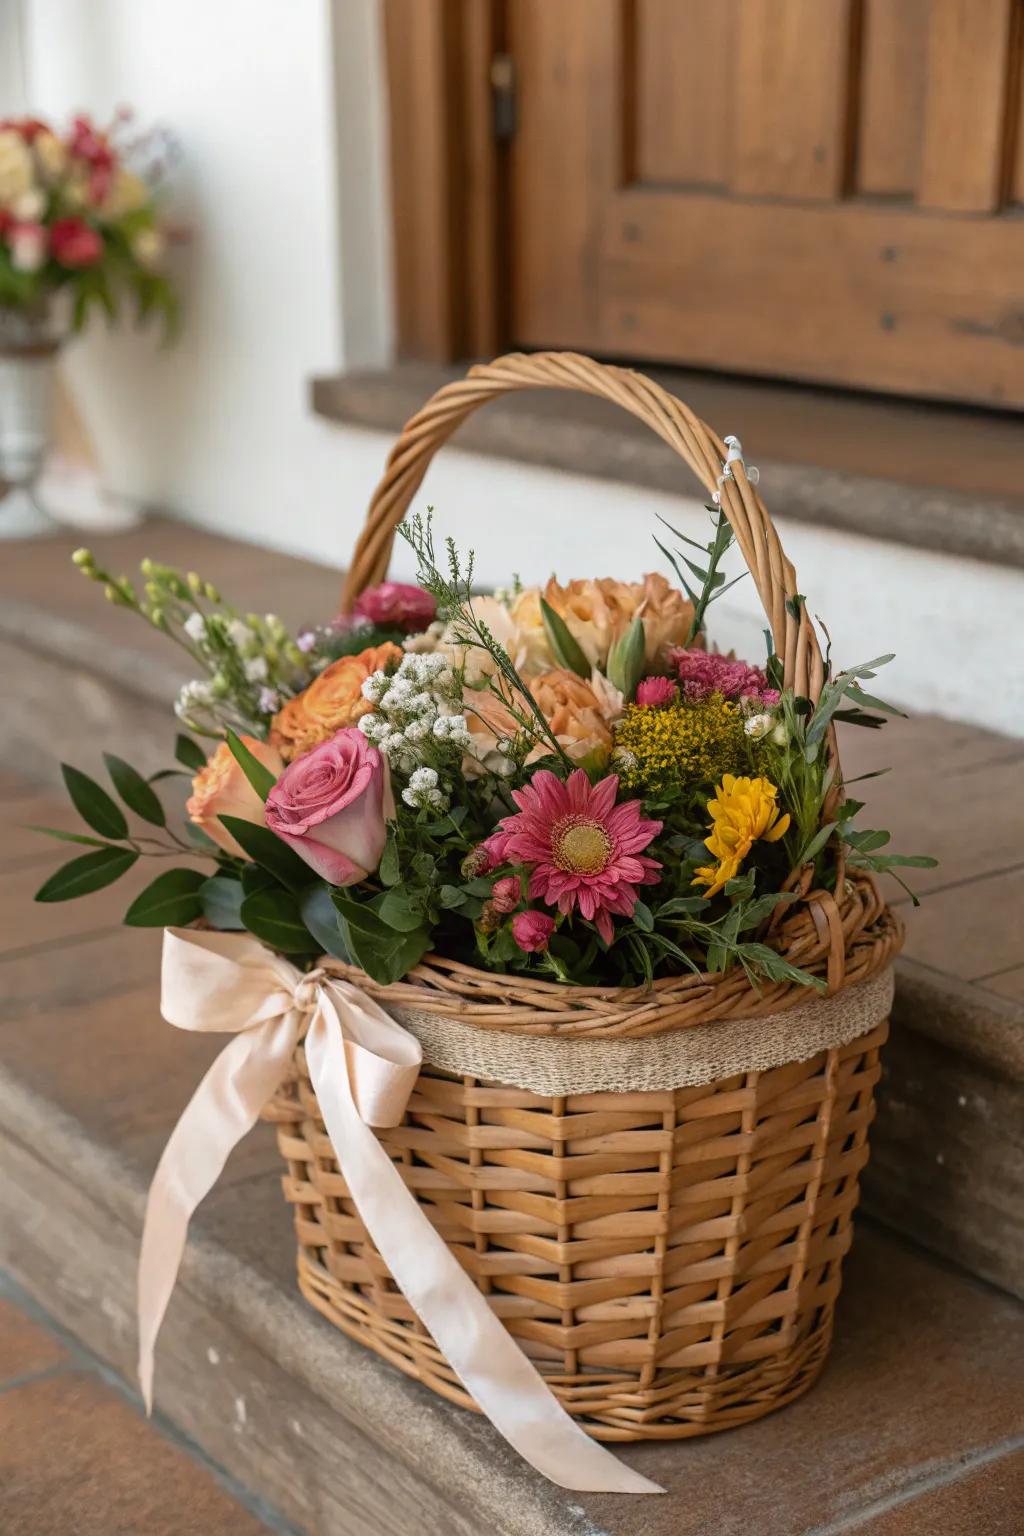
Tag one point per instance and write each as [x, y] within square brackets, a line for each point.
[819, 189]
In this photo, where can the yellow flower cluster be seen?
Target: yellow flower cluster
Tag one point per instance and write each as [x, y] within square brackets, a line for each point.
[742, 811]
[685, 744]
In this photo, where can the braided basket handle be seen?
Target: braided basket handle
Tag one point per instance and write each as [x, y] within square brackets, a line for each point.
[795, 641]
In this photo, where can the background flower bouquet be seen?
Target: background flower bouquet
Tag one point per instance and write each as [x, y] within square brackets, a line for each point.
[79, 215]
[573, 910]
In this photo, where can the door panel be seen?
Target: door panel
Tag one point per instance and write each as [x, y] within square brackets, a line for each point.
[820, 189]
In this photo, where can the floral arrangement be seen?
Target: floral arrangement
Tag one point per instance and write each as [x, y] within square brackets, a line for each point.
[79, 214]
[563, 781]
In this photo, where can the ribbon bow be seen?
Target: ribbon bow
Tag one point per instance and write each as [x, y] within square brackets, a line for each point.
[363, 1067]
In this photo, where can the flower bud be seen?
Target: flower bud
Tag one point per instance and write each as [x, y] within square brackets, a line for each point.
[83, 558]
[195, 582]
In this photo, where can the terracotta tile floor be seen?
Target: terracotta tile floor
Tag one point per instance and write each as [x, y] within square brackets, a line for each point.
[78, 1457]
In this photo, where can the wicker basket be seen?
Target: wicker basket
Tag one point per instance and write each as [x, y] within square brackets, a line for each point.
[670, 1259]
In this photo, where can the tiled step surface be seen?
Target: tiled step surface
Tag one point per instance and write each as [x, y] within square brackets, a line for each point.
[76, 1454]
[949, 1145]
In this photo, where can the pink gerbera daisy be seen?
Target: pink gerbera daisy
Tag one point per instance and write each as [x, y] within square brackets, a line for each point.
[583, 849]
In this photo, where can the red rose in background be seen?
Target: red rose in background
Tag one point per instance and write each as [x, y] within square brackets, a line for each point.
[75, 244]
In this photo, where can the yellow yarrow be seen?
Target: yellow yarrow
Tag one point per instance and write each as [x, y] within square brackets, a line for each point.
[742, 812]
[684, 744]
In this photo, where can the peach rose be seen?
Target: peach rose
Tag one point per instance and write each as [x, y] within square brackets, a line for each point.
[222, 789]
[332, 701]
[667, 617]
[595, 612]
[572, 709]
[489, 720]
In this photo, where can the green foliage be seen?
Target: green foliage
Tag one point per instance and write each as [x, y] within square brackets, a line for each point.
[712, 580]
[564, 647]
[261, 779]
[172, 900]
[135, 791]
[93, 804]
[221, 898]
[91, 872]
[269, 852]
[275, 916]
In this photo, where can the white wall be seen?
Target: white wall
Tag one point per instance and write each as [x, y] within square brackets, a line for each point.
[287, 276]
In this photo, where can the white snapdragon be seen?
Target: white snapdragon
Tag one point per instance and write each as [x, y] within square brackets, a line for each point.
[193, 696]
[239, 634]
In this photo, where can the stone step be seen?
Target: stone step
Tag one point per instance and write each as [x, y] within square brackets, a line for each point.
[948, 1167]
[915, 1426]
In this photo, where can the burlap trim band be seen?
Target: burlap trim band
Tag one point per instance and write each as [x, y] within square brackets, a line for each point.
[681, 1058]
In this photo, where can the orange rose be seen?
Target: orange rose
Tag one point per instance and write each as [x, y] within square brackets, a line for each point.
[573, 710]
[222, 789]
[595, 612]
[332, 700]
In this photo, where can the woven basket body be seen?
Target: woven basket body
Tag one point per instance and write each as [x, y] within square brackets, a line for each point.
[669, 1259]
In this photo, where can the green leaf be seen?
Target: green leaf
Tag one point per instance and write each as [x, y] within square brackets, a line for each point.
[70, 837]
[188, 754]
[451, 897]
[172, 900]
[565, 647]
[867, 841]
[89, 873]
[134, 790]
[680, 906]
[885, 861]
[261, 779]
[381, 952]
[275, 917]
[93, 804]
[626, 660]
[643, 917]
[390, 870]
[321, 918]
[817, 842]
[267, 849]
[401, 910]
[222, 901]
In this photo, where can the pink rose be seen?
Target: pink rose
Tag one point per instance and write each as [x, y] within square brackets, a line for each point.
[331, 806]
[396, 604]
[656, 692]
[507, 893]
[532, 931]
[75, 244]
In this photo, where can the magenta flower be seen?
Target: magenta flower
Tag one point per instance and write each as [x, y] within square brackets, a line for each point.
[656, 692]
[532, 931]
[583, 850]
[701, 673]
[396, 603]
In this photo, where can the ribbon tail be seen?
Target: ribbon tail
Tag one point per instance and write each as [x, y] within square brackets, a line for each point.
[224, 1107]
[483, 1354]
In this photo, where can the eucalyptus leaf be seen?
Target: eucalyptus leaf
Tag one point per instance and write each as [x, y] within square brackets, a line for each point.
[91, 872]
[135, 791]
[321, 918]
[188, 754]
[275, 917]
[172, 900]
[93, 804]
[221, 899]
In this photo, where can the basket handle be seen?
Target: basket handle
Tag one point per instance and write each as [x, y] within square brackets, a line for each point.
[795, 641]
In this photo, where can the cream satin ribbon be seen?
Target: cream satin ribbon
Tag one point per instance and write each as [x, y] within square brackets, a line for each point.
[363, 1067]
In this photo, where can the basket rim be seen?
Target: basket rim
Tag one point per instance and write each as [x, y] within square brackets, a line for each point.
[842, 942]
